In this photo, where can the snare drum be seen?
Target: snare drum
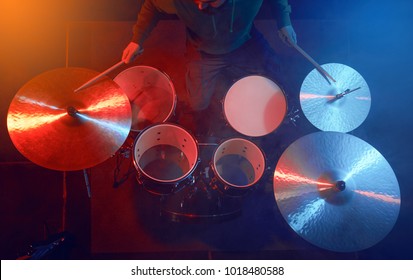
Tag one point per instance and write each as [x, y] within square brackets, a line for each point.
[237, 166]
[151, 94]
[255, 106]
[165, 156]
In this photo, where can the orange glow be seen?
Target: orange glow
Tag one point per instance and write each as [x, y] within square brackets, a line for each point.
[382, 197]
[305, 96]
[41, 14]
[26, 122]
[21, 10]
[298, 179]
[33, 38]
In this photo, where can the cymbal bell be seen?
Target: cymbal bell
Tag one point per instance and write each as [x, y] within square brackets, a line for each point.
[336, 191]
[341, 106]
[59, 129]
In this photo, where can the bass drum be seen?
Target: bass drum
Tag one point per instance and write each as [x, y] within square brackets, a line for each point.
[165, 157]
[151, 94]
[237, 166]
[255, 106]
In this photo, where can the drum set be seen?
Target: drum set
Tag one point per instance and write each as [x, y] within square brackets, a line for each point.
[323, 182]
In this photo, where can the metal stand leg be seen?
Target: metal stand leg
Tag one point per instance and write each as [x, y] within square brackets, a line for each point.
[89, 193]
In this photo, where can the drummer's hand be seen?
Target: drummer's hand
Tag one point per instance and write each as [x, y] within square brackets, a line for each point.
[131, 52]
[287, 35]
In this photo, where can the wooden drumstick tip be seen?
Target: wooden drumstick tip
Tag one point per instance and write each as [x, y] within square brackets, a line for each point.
[95, 79]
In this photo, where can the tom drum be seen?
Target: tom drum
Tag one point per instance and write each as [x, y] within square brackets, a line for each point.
[165, 156]
[255, 106]
[151, 94]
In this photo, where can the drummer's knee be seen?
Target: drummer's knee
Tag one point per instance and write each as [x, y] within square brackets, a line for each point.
[198, 104]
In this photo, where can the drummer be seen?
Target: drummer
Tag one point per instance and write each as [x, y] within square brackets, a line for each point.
[220, 35]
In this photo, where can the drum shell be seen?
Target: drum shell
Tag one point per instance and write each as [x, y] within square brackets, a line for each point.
[249, 152]
[165, 134]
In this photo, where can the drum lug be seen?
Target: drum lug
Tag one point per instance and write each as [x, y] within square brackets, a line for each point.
[192, 180]
[293, 116]
[213, 184]
[139, 179]
[215, 187]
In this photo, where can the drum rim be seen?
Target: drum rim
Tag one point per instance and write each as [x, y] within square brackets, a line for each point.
[174, 94]
[174, 181]
[261, 76]
[238, 187]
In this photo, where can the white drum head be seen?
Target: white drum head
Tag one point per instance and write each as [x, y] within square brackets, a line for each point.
[255, 106]
[151, 94]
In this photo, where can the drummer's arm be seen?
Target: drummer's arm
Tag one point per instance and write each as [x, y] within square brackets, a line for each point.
[282, 12]
[148, 17]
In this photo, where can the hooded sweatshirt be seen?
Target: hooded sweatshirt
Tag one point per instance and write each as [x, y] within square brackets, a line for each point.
[214, 30]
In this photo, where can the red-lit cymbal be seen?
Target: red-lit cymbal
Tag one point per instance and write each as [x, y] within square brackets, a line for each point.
[336, 191]
[59, 129]
[340, 106]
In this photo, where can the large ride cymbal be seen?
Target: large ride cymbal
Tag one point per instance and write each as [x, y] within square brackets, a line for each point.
[341, 106]
[59, 129]
[336, 191]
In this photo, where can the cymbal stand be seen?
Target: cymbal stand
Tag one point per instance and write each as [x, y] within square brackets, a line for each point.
[64, 189]
[87, 182]
[347, 91]
[64, 204]
[342, 94]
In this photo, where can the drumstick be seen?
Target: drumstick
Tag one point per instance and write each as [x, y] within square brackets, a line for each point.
[317, 66]
[93, 80]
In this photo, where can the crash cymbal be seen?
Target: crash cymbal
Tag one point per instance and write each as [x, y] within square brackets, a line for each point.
[336, 191]
[59, 129]
[341, 106]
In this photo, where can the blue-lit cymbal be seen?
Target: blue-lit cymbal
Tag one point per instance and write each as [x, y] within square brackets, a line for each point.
[336, 106]
[59, 129]
[336, 191]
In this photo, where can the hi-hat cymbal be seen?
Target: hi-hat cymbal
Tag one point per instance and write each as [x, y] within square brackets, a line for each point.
[336, 191]
[341, 106]
[59, 129]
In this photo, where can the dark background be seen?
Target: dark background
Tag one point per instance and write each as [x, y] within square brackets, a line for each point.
[373, 37]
